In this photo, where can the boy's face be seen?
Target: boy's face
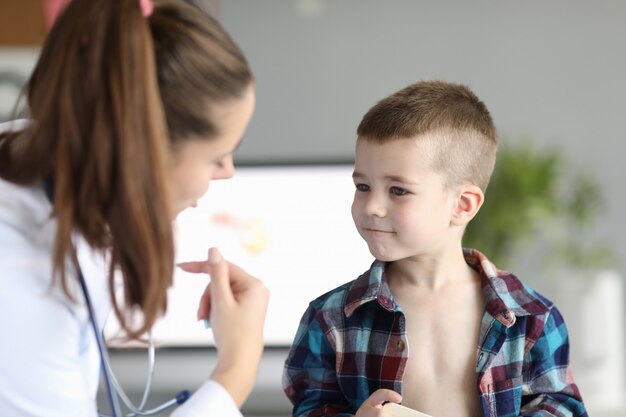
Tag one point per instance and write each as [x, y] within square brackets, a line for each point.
[401, 206]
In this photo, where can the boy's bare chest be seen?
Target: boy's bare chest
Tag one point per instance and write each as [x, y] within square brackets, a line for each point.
[440, 375]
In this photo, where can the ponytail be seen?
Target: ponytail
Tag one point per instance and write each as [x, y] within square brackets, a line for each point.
[140, 217]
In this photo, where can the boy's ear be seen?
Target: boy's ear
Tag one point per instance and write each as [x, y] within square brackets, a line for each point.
[468, 202]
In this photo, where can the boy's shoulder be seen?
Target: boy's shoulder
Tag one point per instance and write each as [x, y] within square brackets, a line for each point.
[332, 299]
[348, 296]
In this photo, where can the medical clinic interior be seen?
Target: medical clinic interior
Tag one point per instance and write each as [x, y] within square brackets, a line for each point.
[552, 75]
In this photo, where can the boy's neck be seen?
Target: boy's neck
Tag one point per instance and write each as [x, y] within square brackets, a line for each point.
[433, 272]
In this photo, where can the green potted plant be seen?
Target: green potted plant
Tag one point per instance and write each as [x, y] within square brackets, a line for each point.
[532, 204]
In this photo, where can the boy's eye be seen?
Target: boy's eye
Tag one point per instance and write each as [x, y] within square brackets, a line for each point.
[398, 191]
[362, 187]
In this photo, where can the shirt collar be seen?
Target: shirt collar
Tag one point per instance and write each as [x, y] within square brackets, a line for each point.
[370, 286]
[505, 296]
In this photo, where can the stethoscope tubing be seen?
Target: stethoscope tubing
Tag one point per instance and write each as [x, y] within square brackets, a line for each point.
[114, 403]
[115, 392]
[113, 388]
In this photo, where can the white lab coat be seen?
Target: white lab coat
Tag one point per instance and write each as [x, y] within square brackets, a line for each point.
[49, 362]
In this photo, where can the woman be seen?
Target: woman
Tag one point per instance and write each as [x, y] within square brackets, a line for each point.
[135, 109]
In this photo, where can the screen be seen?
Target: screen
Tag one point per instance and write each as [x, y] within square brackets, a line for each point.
[290, 226]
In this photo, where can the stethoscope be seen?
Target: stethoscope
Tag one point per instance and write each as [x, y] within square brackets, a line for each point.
[115, 392]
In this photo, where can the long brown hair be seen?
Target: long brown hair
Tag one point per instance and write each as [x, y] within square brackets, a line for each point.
[111, 93]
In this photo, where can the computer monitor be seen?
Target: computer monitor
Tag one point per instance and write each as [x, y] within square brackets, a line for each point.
[288, 225]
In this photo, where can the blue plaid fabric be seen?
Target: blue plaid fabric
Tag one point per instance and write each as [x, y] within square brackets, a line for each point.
[352, 341]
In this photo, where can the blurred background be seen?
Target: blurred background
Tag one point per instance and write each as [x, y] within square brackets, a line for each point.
[552, 75]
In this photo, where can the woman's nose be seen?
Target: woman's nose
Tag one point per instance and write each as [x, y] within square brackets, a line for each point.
[226, 170]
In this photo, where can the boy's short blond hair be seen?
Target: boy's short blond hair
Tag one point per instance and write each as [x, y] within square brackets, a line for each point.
[451, 116]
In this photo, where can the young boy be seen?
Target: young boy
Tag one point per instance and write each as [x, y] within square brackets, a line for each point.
[430, 324]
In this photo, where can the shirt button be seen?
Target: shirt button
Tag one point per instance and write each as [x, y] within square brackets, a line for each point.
[401, 345]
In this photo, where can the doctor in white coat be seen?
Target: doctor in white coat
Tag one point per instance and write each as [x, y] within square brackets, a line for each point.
[135, 108]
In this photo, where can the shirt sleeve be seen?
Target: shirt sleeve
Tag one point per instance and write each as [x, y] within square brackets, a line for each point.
[211, 399]
[309, 376]
[48, 365]
[549, 388]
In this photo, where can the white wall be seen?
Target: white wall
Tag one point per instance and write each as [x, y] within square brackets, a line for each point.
[553, 71]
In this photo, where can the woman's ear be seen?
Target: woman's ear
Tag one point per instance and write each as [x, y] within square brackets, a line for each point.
[468, 202]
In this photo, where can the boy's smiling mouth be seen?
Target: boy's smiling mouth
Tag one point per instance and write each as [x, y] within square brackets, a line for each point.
[377, 231]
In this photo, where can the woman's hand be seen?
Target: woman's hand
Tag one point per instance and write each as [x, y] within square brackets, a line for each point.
[235, 303]
[373, 406]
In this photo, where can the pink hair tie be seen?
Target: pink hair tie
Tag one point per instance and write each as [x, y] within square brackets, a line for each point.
[147, 7]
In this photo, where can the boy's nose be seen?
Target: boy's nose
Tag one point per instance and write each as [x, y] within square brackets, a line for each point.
[374, 206]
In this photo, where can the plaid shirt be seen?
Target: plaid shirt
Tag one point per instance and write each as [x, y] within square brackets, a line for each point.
[352, 341]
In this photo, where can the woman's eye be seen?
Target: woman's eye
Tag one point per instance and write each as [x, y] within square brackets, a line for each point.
[362, 187]
[398, 191]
